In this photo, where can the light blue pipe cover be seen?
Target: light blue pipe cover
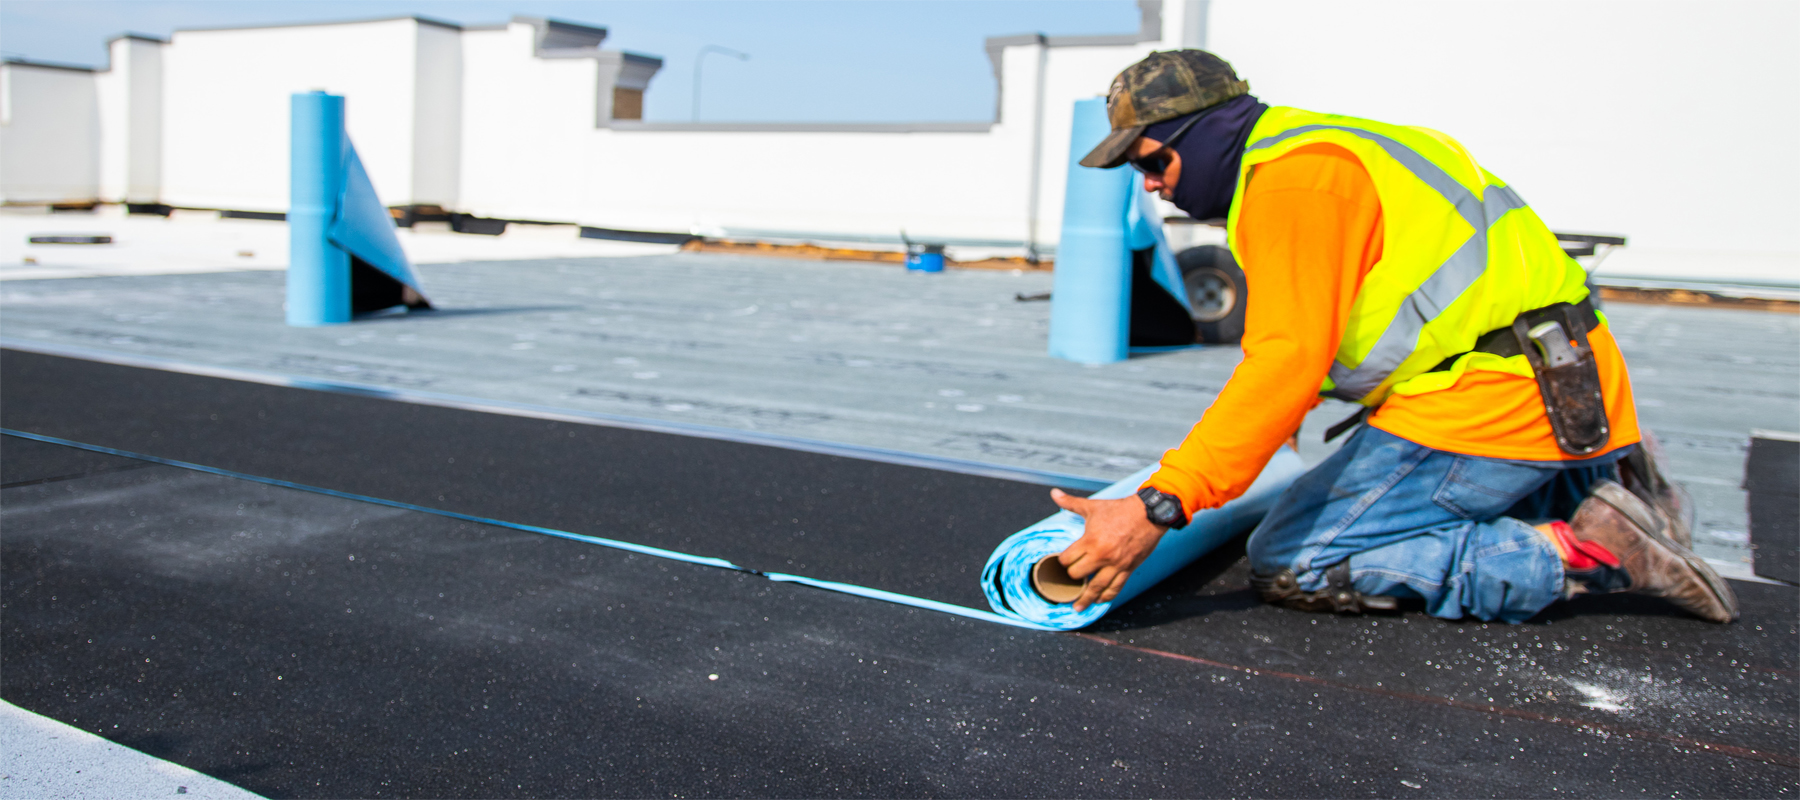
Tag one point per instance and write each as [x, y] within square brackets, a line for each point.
[318, 274]
[1090, 306]
[1007, 576]
[333, 213]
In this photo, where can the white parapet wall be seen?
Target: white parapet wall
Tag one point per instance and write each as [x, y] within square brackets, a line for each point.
[971, 182]
[130, 117]
[532, 120]
[49, 134]
[1657, 120]
[225, 142]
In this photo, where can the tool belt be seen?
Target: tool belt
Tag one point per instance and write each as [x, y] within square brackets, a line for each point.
[1554, 341]
[1504, 342]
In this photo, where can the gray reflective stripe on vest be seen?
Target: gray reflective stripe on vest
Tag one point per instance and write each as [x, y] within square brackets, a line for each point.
[1446, 283]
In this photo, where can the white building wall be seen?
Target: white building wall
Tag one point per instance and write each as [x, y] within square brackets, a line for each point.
[532, 150]
[1075, 73]
[112, 95]
[849, 184]
[1669, 122]
[227, 116]
[1666, 122]
[522, 121]
[130, 108]
[437, 118]
[49, 134]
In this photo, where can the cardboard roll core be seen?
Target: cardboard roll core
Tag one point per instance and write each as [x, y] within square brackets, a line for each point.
[1053, 581]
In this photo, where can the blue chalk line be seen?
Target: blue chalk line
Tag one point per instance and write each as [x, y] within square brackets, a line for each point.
[833, 586]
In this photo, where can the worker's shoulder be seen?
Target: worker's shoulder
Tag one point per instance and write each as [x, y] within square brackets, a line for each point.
[1319, 167]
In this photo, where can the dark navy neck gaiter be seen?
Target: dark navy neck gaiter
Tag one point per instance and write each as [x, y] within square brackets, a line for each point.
[1210, 154]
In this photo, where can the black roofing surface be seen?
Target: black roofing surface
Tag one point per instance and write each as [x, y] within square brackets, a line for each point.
[304, 645]
[1772, 474]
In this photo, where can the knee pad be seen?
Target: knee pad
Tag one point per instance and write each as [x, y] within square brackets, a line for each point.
[1338, 595]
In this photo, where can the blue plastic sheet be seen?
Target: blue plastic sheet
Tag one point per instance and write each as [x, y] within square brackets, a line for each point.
[1145, 229]
[1007, 577]
[363, 226]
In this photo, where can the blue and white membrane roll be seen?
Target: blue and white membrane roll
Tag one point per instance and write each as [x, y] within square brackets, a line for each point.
[1007, 577]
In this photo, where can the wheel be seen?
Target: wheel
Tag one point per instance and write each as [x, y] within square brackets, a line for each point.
[1213, 293]
[1216, 290]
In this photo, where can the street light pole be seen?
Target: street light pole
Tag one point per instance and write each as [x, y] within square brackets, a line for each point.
[699, 58]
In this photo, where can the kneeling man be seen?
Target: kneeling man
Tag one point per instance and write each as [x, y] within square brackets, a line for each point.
[1497, 467]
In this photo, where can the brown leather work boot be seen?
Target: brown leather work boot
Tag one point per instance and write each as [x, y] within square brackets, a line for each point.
[1636, 533]
[1642, 474]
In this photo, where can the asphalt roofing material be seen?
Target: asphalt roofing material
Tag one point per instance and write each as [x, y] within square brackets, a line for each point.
[453, 657]
[305, 645]
[902, 529]
[1772, 475]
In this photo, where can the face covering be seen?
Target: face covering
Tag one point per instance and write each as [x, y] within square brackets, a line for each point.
[1210, 154]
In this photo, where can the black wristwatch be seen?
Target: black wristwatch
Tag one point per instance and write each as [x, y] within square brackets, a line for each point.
[1162, 509]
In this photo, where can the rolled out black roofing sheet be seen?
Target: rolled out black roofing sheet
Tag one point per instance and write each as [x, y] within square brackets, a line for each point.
[1772, 474]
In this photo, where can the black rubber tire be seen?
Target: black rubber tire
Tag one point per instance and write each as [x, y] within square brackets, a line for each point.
[1217, 291]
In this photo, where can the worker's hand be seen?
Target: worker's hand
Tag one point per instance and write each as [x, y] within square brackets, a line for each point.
[1118, 538]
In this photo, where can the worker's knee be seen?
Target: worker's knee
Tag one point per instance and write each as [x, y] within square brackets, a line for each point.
[1268, 553]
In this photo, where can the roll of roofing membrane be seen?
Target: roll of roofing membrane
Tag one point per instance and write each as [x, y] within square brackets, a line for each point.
[1007, 577]
[333, 215]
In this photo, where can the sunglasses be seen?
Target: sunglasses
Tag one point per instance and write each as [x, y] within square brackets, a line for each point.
[1156, 163]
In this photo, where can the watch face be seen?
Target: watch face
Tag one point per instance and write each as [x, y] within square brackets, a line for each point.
[1165, 511]
[1161, 508]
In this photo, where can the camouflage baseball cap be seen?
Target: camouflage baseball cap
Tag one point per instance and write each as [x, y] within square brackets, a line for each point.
[1165, 85]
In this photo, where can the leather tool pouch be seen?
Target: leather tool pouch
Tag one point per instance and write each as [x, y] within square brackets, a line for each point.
[1555, 342]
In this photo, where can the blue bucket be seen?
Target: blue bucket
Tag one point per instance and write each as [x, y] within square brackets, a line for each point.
[925, 257]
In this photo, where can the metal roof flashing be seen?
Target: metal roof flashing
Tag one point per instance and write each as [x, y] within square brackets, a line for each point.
[137, 37]
[555, 38]
[415, 18]
[22, 62]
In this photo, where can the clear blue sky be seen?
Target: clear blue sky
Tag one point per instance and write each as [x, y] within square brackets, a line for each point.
[811, 60]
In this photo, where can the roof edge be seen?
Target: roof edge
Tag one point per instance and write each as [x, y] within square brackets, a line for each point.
[414, 17]
[137, 37]
[26, 62]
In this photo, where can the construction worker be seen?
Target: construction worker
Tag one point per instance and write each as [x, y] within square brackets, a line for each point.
[1497, 468]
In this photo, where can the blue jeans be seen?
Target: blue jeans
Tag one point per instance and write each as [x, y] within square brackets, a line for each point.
[1417, 522]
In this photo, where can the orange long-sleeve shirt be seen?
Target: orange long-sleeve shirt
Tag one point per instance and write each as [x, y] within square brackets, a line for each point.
[1309, 229]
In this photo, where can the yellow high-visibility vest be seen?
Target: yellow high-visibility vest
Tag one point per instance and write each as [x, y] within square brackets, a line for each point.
[1461, 255]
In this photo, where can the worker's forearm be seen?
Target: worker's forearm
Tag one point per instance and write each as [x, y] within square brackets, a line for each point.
[1223, 453]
